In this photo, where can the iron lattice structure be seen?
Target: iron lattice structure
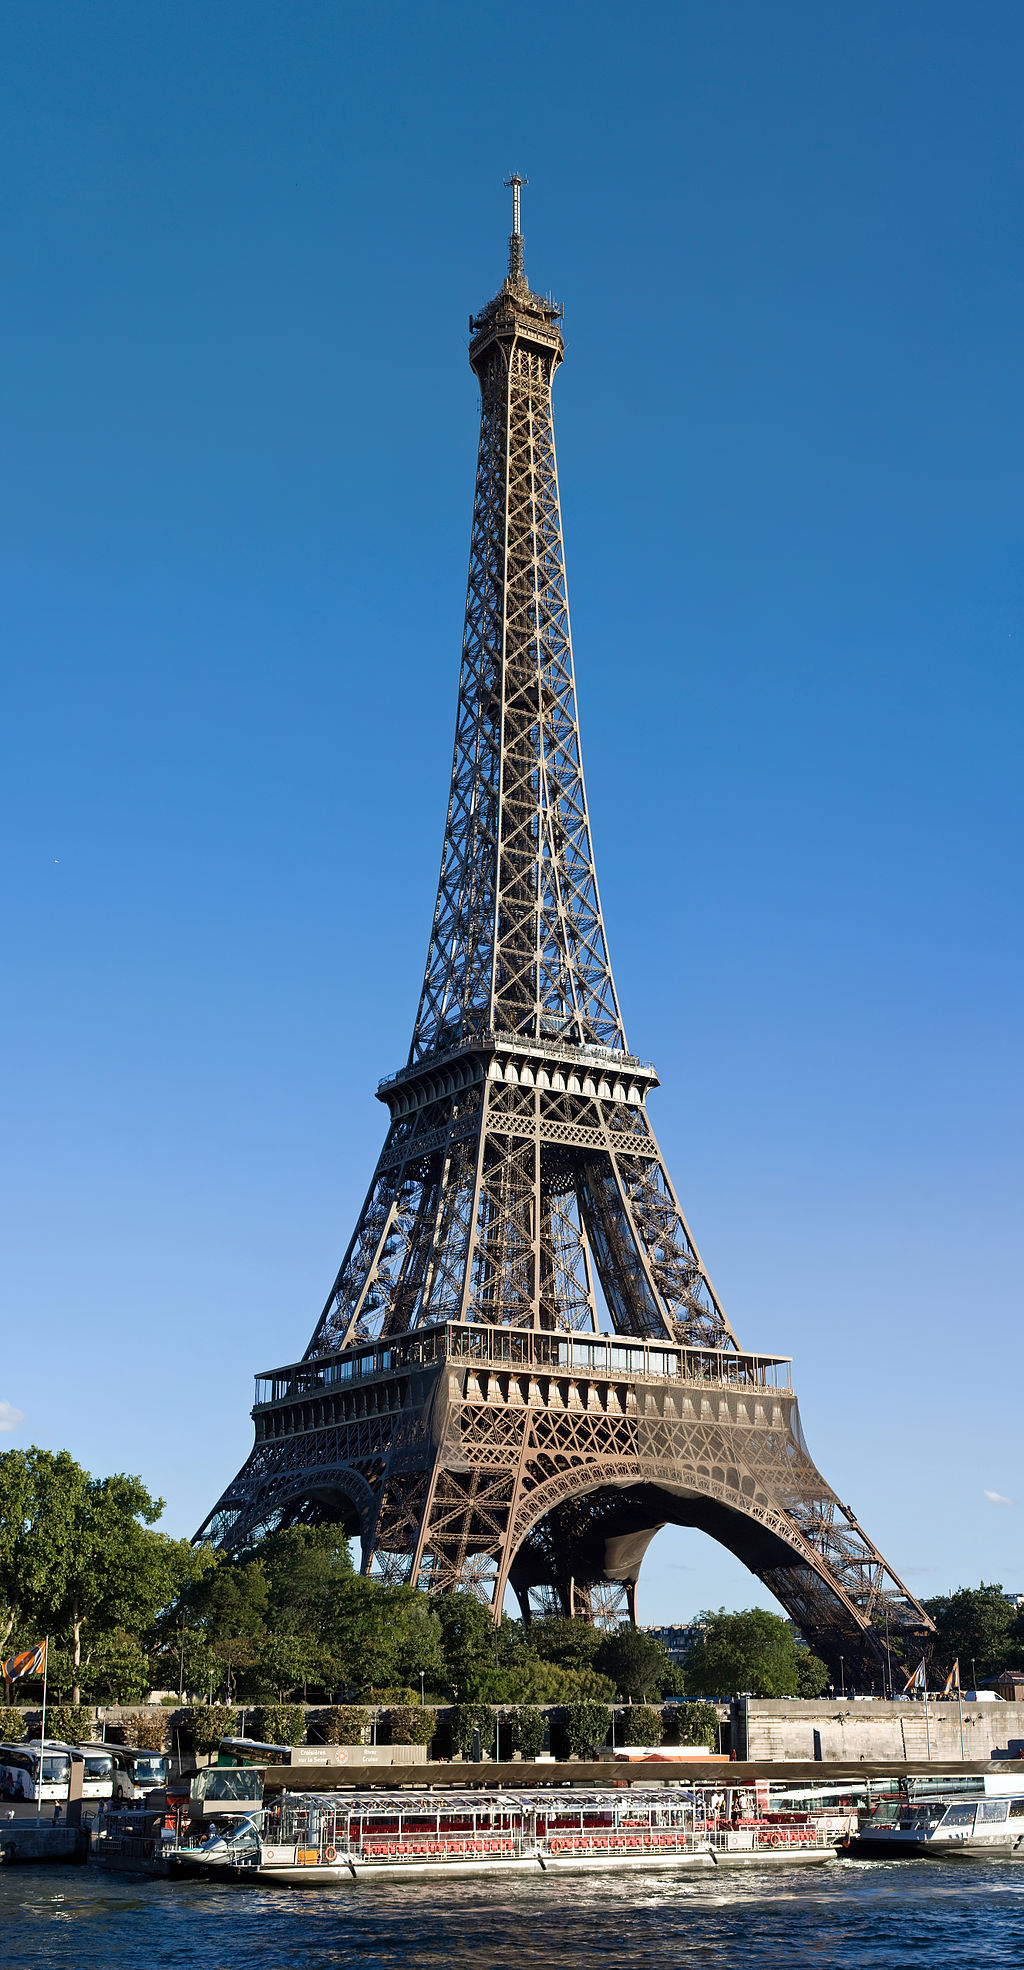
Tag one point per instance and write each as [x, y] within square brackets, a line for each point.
[523, 1370]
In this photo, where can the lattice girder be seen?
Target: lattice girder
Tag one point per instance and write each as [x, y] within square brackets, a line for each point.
[521, 1206]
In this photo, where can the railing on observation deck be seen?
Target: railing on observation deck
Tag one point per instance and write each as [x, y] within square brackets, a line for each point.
[552, 1048]
[607, 1355]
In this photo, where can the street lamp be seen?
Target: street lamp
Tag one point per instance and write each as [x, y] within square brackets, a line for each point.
[422, 1673]
[842, 1677]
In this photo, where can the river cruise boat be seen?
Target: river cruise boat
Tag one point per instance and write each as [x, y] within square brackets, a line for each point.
[972, 1818]
[317, 1838]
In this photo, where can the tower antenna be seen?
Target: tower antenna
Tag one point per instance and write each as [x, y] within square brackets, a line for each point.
[515, 245]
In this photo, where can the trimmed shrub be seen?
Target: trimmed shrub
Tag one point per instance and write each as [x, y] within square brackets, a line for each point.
[281, 1723]
[145, 1733]
[411, 1723]
[346, 1723]
[204, 1724]
[465, 1718]
[12, 1724]
[71, 1722]
[639, 1723]
[581, 1729]
[401, 1695]
[692, 1723]
[528, 1727]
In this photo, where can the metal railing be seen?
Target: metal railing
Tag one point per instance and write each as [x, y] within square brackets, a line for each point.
[608, 1356]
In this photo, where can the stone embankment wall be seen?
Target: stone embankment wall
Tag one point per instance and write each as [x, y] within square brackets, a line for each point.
[875, 1731]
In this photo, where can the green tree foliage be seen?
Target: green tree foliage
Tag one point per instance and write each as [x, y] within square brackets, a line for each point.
[976, 1625]
[571, 1644]
[692, 1723]
[78, 1555]
[145, 1733]
[411, 1723]
[580, 1729]
[639, 1723]
[12, 1724]
[71, 1723]
[280, 1723]
[117, 1670]
[528, 1727]
[344, 1723]
[204, 1724]
[751, 1653]
[813, 1675]
[637, 1664]
[461, 1722]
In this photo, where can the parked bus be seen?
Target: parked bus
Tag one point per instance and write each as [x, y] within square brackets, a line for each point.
[135, 1772]
[20, 1774]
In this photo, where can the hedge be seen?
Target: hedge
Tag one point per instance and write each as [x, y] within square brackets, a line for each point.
[411, 1723]
[346, 1723]
[144, 1733]
[12, 1724]
[692, 1723]
[581, 1728]
[528, 1727]
[70, 1722]
[461, 1722]
[281, 1723]
[204, 1724]
[639, 1723]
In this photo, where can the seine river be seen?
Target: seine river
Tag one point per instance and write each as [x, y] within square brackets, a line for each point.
[891, 1915]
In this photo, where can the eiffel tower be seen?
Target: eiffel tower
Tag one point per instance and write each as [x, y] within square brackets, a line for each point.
[523, 1370]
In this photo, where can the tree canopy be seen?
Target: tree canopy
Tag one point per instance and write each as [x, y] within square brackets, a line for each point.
[79, 1559]
[753, 1653]
[978, 1627]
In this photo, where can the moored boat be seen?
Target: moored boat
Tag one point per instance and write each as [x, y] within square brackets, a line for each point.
[317, 1838]
[976, 1818]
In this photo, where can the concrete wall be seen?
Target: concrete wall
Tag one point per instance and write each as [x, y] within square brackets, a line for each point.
[769, 1728]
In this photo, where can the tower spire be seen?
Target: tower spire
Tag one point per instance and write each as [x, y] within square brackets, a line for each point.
[515, 244]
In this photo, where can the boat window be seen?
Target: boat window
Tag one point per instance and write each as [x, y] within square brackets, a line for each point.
[993, 1809]
[1017, 1809]
[219, 1782]
[961, 1815]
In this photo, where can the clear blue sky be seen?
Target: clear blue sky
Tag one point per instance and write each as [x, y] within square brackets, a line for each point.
[241, 245]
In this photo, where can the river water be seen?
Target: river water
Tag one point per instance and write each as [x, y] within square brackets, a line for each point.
[887, 1915]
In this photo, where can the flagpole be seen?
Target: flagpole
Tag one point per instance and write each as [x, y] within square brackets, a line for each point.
[42, 1733]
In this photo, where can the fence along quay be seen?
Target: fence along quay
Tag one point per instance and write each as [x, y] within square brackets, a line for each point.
[318, 1837]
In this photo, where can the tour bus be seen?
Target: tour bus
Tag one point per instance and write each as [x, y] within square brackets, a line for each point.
[135, 1772]
[20, 1770]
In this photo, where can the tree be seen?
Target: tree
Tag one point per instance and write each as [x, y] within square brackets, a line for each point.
[753, 1653]
[693, 1723]
[571, 1643]
[813, 1676]
[78, 1553]
[582, 1728]
[977, 1626]
[638, 1664]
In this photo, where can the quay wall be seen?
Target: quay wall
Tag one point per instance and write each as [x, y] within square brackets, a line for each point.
[770, 1729]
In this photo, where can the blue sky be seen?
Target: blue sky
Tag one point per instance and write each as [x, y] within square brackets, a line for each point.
[242, 244]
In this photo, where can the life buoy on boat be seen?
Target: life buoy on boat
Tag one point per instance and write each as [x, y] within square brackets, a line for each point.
[773, 1839]
[330, 1855]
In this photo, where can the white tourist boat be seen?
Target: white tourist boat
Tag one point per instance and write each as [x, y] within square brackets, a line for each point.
[312, 1838]
[973, 1818]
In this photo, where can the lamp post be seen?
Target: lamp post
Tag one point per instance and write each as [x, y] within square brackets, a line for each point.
[842, 1677]
[422, 1673]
